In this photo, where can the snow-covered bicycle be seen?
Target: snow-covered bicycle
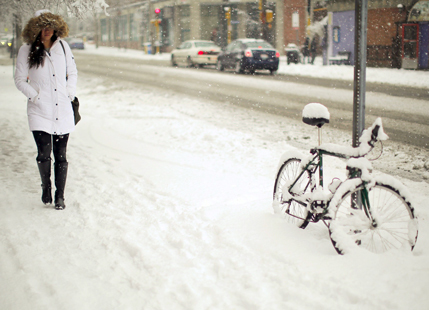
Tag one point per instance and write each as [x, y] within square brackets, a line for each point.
[369, 211]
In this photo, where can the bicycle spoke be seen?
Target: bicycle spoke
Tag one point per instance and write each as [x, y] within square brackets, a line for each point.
[287, 175]
[389, 224]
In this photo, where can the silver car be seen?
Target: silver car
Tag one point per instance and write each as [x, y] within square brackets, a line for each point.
[195, 53]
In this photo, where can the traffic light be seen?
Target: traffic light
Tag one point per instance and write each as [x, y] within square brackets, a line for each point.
[227, 10]
[227, 13]
[157, 20]
[269, 16]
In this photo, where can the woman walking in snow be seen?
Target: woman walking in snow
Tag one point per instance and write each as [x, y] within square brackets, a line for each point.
[41, 69]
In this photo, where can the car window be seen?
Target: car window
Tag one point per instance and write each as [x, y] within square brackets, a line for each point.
[231, 46]
[256, 44]
[188, 45]
[182, 46]
[238, 47]
[205, 44]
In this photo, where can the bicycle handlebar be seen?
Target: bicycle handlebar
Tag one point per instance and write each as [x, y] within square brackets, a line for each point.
[374, 135]
[367, 141]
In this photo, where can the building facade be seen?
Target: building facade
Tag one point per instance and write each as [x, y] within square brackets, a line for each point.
[397, 36]
[385, 36]
[298, 16]
[415, 37]
[136, 25]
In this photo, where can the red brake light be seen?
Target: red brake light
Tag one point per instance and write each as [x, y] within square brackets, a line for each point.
[201, 53]
[259, 46]
[277, 54]
[248, 53]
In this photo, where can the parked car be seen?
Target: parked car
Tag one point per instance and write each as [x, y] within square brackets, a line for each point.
[195, 53]
[249, 54]
[76, 43]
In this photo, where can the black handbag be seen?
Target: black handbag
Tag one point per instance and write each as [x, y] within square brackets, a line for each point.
[75, 102]
[75, 105]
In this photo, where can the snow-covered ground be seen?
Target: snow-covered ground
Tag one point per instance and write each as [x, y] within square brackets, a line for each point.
[169, 207]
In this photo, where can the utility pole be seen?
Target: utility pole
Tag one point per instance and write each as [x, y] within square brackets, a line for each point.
[16, 43]
[262, 19]
[310, 6]
[361, 21]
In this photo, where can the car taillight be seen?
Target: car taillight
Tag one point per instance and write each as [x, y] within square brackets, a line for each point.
[277, 55]
[248, 53]
[201, 53]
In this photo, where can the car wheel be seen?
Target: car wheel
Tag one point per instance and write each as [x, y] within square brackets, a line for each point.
[219, 66]
[173, 61]
[272, 71]
[238, 68]
[189, 62]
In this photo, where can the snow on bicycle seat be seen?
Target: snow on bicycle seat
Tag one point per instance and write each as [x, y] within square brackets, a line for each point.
[315, 114]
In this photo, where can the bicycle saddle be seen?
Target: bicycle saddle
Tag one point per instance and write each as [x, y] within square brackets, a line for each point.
[319, 122]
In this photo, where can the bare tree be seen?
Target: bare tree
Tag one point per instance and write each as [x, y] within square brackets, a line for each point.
[15, 12]
[25, 8]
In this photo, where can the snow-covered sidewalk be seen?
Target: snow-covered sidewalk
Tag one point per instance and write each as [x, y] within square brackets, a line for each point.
[169, 207]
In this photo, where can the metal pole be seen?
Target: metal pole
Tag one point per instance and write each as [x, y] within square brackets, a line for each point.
[361, 21]
[262, 18]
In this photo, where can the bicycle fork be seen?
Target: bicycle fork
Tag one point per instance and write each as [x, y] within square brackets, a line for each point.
[367, 207]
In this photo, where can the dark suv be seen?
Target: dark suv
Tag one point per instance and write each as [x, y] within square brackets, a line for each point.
[249, 54]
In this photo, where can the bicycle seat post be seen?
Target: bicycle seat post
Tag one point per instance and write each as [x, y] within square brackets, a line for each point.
[316, 114]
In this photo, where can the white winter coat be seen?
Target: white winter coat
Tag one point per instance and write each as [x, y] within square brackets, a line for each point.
[49, 94]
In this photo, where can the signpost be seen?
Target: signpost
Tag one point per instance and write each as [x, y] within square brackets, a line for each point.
[361, 21]
[295, 25]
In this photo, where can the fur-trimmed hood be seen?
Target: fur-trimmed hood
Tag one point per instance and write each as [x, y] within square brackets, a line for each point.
[44, 20]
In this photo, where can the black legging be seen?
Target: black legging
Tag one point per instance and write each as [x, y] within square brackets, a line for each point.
[44, 146]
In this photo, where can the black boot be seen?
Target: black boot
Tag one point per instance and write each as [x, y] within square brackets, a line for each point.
[45, 176]
[60, 184]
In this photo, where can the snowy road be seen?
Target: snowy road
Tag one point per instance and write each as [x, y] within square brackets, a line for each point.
[169, 207]
[406, 119]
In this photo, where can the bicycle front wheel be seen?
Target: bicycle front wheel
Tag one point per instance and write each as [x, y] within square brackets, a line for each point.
[288, 172]
[390, 225]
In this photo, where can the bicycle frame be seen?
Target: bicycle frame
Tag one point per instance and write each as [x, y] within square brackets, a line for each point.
[316, 163]
[361, 201]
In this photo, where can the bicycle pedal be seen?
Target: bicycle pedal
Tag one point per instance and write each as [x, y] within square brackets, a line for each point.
[317, 206]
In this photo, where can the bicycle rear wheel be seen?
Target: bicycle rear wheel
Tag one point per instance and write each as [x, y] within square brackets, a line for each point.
[392, 226]
[293, 211]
